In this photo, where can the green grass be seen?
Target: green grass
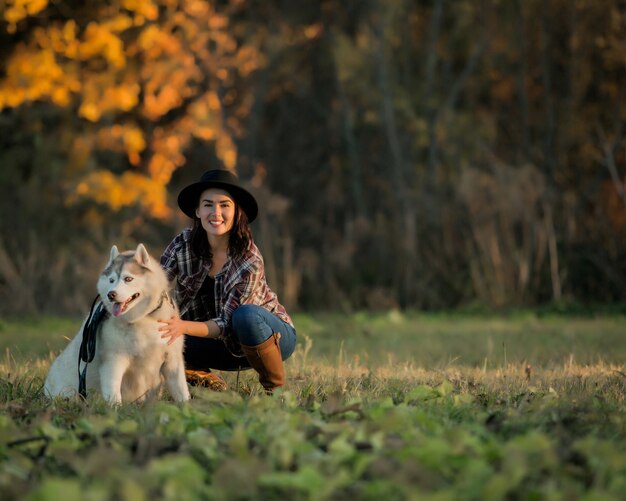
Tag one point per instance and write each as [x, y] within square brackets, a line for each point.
[30, 338]
[434, 340]
[377, 406]
[420, 339]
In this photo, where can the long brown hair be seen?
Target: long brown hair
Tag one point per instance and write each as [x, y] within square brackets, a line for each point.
[239, 238]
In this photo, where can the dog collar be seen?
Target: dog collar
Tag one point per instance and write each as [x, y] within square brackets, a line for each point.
[164, 296]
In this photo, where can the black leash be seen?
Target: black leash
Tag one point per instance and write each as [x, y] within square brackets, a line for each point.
[88, 344]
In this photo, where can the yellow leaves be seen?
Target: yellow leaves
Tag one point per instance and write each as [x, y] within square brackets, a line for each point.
[143, 8]
[158, 101]
[69, 31]
[204, 132]
[207, 118]
[32, 75]
[101, 96]
[62, 40]
[127, 138]
[167, 85]
[125, 96]
[203, 113]
[162, 165]
[100, 40]
[126, 190]
[224, 40]
[44, 70]
[118, 24]
[60, 96]
[197, 8]
[16, 10]
[90, 111]
[249, 59]
[134, 143]
[170, 74]
[151, 38]
[158, 61]
[168, 152]
[217, 22]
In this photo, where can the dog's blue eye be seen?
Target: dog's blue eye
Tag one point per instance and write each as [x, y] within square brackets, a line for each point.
[128, 279]
[111, 280]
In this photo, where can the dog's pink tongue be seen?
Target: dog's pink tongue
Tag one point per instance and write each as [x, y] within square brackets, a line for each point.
[117, 309]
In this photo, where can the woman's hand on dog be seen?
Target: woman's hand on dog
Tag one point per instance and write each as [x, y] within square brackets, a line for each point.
[175, 327]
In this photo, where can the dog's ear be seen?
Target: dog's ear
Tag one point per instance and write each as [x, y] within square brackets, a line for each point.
[114, 253]
[142, 256]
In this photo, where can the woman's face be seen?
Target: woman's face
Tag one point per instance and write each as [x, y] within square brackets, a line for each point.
[216, 212]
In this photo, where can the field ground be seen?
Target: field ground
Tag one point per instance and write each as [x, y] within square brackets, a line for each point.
[393, 406]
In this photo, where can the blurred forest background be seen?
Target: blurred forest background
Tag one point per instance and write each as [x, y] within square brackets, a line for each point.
[410, 154]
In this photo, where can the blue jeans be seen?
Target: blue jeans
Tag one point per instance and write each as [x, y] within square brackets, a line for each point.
[252, 325]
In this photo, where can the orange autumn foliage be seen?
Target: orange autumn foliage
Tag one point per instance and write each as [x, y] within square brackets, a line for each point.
[142, 79]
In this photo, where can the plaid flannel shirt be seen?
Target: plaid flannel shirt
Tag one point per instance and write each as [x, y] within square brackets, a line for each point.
[240, 281]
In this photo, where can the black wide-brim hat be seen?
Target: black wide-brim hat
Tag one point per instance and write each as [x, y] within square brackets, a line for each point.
[189, 197]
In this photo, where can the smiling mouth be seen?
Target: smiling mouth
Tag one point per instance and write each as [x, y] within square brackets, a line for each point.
[120, 308]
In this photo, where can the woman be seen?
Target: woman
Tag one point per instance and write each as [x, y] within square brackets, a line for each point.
[229, 315]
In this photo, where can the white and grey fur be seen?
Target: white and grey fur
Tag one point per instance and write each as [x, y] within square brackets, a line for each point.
[131, 359]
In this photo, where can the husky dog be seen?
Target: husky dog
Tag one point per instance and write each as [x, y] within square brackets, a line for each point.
[131, 359]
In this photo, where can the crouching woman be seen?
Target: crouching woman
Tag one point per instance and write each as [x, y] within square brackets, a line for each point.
[230, 317]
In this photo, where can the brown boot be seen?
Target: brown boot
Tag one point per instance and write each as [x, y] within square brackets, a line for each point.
[268, 362]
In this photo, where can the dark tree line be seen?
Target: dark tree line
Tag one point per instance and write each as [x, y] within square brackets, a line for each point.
[426, 154]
